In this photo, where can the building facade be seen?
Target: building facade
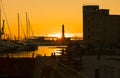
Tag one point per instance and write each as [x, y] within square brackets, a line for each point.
[100, 29]
[106, 67]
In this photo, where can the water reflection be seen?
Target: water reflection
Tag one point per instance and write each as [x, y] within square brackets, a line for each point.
[47, 50]
[42, 50]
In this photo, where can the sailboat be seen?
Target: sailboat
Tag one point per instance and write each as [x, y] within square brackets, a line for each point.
[7, 46]
[26, 45]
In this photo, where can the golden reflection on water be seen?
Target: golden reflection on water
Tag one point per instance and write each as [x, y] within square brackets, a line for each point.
[42, 50]
[47, 50]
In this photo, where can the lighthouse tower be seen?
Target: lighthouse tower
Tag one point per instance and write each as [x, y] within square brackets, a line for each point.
[63, 32]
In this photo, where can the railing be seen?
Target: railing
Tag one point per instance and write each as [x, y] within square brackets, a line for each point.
[62, 70]
[68, 72]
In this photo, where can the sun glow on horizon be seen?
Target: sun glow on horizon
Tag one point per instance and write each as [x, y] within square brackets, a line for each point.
[59, 35]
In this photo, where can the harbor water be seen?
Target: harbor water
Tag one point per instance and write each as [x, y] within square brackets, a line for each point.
[42, 50]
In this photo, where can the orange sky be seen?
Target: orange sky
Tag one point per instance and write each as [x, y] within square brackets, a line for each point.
[47, 16]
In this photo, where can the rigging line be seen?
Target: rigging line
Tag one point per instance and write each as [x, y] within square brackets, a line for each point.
[6, 18]
[22, 27]
[30, 27]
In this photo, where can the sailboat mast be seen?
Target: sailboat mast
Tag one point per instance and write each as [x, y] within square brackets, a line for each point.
[0, 20]
[18, 28]
[26, 25]
[0, 17]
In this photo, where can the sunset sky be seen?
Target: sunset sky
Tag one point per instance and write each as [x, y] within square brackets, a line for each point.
[47, 16]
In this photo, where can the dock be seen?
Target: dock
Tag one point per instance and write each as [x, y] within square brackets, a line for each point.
[38, 67]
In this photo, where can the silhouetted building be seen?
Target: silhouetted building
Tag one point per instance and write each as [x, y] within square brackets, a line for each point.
[100, 29]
